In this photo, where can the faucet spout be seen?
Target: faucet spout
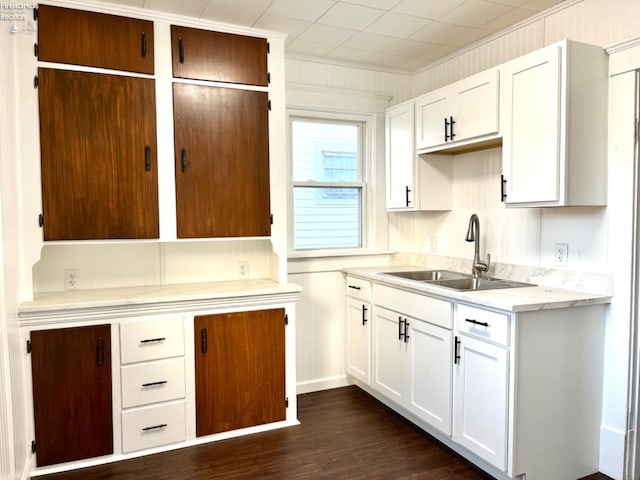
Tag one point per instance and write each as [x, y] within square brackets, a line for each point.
[473, 235]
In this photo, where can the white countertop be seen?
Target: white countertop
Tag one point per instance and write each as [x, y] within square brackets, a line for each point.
[185, 296]
[519, 299]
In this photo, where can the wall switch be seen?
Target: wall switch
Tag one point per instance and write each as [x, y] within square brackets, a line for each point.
[561, 254]
[72, 279]
[433, 244]
[243, 269]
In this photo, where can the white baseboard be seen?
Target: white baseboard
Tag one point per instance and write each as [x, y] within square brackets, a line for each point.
[612, 446]
[318, 384]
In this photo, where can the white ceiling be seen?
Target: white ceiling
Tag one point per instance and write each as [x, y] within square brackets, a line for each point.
[391, 34]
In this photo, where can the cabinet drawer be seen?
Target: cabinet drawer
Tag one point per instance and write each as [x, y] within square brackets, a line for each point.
[358, 288]
[432, 310]
[151, 339]
[483, 324]
[152, 382]
[153, 426]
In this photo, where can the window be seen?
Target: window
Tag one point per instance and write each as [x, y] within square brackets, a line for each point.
[328, 186]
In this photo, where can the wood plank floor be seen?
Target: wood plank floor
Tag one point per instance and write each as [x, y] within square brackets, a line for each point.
[344, 434]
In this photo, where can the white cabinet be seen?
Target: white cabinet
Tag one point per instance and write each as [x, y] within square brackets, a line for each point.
[413, 182]
[459, 114]
[358, 317]
[413, 356]
[554, 125]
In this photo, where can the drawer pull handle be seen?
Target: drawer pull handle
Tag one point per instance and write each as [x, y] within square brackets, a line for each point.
[153, 340]
[406, 331]
[154, 384]
[364, 317]
[100, 352]
[456, 350]
[400, 330]
[144, 45]
[203, 340]
[476, 322]
[155, 427]
[355, 287]
[180, 50]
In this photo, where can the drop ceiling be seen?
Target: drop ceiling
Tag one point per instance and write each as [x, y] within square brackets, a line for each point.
[402, 35]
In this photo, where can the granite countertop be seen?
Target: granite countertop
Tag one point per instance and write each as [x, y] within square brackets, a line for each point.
[188, 294]
[520, 299]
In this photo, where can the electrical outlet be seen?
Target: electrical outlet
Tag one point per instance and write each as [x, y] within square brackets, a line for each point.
[72, 279]
[243, 269]
[433, 244]
[561, 254]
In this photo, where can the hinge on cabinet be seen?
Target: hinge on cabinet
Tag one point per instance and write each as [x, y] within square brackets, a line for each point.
[268, 47]
[503, 188]
[35, 14]
[41, 220]
[636, 134]
[36, 81]
[269, 105]
[35, 49]
[33, 446]
[28, 346]
[286, 402]
[271, 218]
[286, 319]
[268, 77]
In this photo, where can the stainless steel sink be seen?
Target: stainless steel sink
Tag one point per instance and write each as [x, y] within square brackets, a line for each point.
[456, 280]
[426, 275]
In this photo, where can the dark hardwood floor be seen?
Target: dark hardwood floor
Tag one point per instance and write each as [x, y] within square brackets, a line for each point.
[344, 434]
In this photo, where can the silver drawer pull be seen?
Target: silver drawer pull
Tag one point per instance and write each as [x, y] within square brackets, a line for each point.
[153, 340]
[354, 287]
[154, 384]
[155, 427]
[476, 322]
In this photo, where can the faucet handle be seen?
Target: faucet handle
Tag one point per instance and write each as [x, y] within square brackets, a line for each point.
[488, 262]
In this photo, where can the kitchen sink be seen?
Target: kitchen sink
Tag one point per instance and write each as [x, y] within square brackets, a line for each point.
[456, 280]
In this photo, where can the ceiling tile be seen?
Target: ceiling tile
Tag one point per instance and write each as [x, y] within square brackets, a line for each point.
[427, 9]
[510, 18]
[381, 4]
[291, 26]
[249, 4]
[190, 8]
[369, 42]
[348, 55]
[231, 14]
[131, 3]
[539, 5]
[309, 11]
[512, 3]
[474, 13]
[445, 34]
[327, 34]
[408, 48]
[397, 25]
[313, 49]
[346, 15]
[386, 60]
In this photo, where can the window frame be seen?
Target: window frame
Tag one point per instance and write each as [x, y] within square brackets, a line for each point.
[366, 159]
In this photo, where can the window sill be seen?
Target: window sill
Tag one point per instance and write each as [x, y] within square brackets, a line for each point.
[328, 253]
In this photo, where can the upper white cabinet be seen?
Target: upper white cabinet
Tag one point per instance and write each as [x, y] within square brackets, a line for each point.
[459, 114]
[554, 125]
[413, 182]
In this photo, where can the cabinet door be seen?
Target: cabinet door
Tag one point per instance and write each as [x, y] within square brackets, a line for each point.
[239, 370]
[98, 156]
[390, 357]
[71, 378]
[480, 400]
[400, 156]
[532, 125]
[217, 56]
[359, 340]
[433, 113]
[476, 105]
[78, 37]
[430, 362]
[222, 162]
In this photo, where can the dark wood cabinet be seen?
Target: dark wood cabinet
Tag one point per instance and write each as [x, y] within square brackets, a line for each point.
[79, 37]
[71, 378]
[239, 369]
[98, 156]
[222, 161]
[219, 57]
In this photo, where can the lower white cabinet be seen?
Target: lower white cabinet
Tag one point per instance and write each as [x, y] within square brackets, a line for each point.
[358, 354]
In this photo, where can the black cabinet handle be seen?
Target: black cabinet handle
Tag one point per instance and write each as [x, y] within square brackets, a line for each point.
[354, 287]
[154, 384]
[100, 352]
[400, 331]
[456, 350]
[406, 331]
[180, 50]
[364, 319]
[153, 340]
[203, 340]
[144, 45]
[452, 122]
[407, 190]
[446, 129]
[476, 322]
[183, 160]
[503, 188]
[147, 158]
[155, 427]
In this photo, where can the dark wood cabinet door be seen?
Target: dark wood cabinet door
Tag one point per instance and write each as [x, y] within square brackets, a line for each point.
[219, 57]
[79, 37]
[71, 370]
[98, 156]
[222, 161]
[240, 370]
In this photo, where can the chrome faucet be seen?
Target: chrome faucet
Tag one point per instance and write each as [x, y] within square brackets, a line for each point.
[473, 235]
